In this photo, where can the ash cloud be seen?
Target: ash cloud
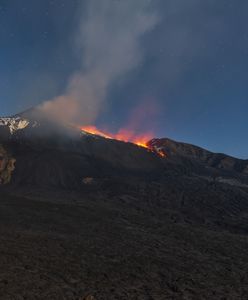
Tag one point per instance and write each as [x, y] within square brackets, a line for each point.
[108, 43]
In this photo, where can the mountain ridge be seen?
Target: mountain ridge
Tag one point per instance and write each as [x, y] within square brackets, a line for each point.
[34, 132]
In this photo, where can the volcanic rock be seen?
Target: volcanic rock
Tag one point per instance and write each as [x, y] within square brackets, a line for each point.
[85, 215]
[7, 166]
[177, 150]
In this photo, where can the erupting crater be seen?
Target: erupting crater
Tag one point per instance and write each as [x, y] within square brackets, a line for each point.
[128, 136]
[123, 135]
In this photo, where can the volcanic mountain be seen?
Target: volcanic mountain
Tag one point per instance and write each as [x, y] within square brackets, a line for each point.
[86, 216]
[51, 153]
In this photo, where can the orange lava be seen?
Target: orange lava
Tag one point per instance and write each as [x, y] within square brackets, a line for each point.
[161, 153]
[93, 130]
[122, 135]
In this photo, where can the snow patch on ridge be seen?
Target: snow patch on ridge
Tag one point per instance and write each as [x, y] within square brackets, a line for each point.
[14, 124]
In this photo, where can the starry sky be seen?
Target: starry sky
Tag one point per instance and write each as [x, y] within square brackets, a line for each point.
[190, 80]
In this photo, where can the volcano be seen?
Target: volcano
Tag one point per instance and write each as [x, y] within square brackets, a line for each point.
[83, 216]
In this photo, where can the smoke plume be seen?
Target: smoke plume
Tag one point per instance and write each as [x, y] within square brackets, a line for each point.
[108, 42]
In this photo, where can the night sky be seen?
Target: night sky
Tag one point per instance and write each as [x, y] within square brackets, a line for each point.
[190, 79]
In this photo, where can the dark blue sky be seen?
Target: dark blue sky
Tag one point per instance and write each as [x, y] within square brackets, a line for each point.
[194, 67]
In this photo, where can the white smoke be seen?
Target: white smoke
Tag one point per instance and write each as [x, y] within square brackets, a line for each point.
[109, 45]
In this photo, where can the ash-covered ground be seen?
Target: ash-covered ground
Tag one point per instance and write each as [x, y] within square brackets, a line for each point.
[91, 218]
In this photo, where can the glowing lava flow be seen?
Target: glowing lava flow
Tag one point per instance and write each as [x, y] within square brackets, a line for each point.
[93, 130]
[122, 135]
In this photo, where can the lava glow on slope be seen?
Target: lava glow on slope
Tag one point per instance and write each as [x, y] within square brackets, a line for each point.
[124, 135]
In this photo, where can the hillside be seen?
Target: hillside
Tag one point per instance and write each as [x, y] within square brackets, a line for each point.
[82, 215]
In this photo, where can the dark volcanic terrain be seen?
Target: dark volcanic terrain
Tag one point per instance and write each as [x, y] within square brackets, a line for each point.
[84, 216]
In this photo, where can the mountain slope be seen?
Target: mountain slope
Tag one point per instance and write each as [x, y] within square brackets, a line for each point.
[221, 161]
[48, 153]
[84, 215]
